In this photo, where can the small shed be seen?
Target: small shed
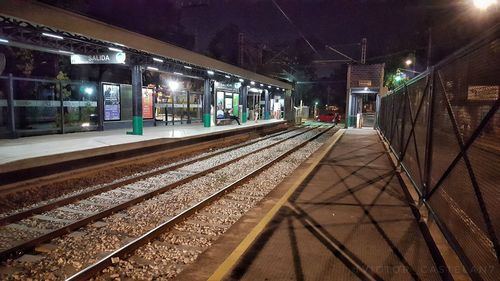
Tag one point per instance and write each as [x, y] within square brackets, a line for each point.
[364, 87]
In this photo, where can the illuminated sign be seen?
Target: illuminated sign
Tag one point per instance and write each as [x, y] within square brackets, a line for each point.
[103, 58]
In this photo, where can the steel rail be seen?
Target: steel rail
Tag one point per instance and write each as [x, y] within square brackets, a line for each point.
[129, 248]
[67, 200]
[24, 246]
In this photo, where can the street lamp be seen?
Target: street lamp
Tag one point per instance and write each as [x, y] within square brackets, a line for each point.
[316, 110]
[484, 4]
[408, 62]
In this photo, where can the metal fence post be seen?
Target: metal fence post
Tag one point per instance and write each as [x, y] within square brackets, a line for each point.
[188, 108]
[430, 129]
[10, 102]
[100, 107]
[61, 107]
[403, 123]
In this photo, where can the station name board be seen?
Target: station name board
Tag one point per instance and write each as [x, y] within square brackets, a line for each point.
[103, 58]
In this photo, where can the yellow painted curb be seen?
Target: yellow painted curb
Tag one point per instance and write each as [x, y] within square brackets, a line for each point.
[233, 258]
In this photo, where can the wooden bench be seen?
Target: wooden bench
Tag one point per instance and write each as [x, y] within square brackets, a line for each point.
[225, 121]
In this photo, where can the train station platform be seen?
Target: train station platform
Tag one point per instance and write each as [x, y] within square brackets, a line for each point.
[343, 215]
[32, 152]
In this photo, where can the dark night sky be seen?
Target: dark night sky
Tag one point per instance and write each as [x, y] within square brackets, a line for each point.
[389, 25]
[395, 29]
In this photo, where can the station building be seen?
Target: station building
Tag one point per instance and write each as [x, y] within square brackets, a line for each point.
[364, 88]
[61, 72]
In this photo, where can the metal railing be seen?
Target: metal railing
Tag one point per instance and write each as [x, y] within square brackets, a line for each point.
[444, 128]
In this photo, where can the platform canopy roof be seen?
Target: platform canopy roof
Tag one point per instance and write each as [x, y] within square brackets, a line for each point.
[82, 29]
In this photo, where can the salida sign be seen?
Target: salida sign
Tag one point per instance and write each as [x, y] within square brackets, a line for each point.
[104, 58]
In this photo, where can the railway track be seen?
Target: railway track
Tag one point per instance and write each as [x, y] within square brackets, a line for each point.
[203, 221]
[47, 205]
[32, 227]
[178, 199]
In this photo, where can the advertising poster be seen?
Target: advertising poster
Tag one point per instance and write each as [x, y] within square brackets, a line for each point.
[111, 102]
[147, 103]
[220, 100]
[236, 103]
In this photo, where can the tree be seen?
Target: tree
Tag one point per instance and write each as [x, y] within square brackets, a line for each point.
[224, 44]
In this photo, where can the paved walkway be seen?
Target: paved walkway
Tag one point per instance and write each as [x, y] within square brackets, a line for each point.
[29, 147]
[350, 220]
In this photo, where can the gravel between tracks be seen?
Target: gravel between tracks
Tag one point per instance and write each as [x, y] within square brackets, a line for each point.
[92, 242]
[48, 192]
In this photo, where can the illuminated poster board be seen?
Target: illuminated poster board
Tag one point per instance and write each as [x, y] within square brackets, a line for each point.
[220, 100]
[147, 103]
[236, 103]
[111, 94]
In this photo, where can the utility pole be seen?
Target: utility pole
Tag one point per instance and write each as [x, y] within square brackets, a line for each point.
[363, 50]
[241, 48]
[429, 48]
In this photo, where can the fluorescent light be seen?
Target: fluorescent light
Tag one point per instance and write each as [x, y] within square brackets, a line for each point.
[178, 73]
[65, 52]
[262, 85]
[152, 68]
[241, 80]
[251, 82]
[188, 67]
[484, 4]
[118, 44]
[114, 49]
[4, 40]
[227, 76]
[157, 59]
[89, 90]
[52, 35]
[269, 87]
[210, 72]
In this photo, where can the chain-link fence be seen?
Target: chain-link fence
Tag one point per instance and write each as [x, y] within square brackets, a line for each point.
[444, 127]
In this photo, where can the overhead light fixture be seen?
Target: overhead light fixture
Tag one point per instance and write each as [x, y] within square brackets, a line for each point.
[227, 76]
[188, 67]
[114, 49]
[241, 80]
[173, 85]
[484, 4]
[262, 85]
[366, 88]
[4, 40]
[210, 72]
[152, 68]
[118, 44]
[178, 73]
[89, 90]
[252, 82]
[269, 87]
[283, 90]
[52, 35]
[157, 59]
[65, 52]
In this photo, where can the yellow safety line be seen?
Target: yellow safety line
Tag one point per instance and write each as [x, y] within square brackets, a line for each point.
[231, 260]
